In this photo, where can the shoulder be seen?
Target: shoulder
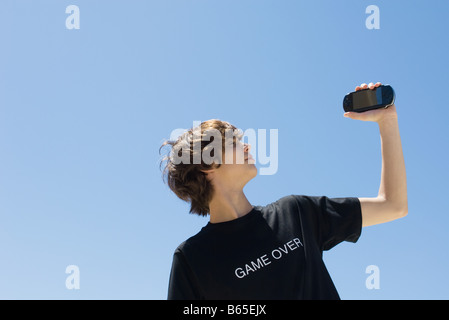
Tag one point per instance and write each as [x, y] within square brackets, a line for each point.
[282, 212]
[294, 202]
[292, 198]
[284, 205]
[193, 243]
[286, 202]
[313, 206]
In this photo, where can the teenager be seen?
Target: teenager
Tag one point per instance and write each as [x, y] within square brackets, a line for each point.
[273, 251]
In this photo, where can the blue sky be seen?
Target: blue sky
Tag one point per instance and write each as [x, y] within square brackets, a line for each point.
[84, 111]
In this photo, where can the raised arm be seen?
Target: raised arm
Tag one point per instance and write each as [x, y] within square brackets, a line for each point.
[391, 202]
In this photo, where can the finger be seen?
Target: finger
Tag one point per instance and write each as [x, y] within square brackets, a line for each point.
[364, 85]
[352, 115]
[371, 85]
[378, 84]
[358, 88]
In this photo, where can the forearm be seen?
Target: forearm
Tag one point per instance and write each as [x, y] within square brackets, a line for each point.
[393, 184]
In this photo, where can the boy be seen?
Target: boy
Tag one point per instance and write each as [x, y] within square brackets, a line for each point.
[273, 251]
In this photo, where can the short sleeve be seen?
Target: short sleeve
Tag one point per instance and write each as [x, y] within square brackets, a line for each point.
[333, 220]
[181, 284]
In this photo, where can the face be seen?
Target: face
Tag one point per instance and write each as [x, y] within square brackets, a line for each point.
[237, 169]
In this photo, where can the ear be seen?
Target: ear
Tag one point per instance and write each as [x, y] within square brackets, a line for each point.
[210, 173]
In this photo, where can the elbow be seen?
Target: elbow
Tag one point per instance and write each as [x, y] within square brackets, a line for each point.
[399, 210]
[403, 210]
[403, 213]
[396, 213]
[405, 207]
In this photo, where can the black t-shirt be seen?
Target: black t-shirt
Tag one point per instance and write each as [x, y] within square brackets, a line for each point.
[272, 252]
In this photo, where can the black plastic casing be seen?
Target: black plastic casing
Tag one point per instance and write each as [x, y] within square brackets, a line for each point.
[388, 97]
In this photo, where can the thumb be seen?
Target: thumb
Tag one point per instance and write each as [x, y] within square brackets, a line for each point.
[350, 115]
[356, 115]
[370, 115]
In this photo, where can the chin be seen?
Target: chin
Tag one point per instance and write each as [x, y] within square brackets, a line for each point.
[253, 170]
[246, 175]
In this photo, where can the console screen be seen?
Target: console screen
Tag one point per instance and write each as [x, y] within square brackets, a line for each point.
[366, 98]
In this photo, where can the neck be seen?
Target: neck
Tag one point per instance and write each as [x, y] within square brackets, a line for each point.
[228, 205]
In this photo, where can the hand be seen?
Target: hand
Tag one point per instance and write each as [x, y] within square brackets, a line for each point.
[376, 115]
